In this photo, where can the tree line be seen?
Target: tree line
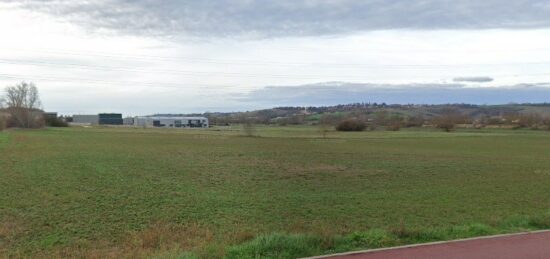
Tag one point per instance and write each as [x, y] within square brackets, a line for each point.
[20, 107]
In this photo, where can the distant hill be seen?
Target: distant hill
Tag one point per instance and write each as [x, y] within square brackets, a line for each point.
[303, 115]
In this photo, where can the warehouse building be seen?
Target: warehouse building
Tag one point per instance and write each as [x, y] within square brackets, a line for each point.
[172, 122]
[100, 119]
[110, 119]
[86, 119]
[128, 121]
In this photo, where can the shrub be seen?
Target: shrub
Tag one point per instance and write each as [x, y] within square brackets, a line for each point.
[372, 239]
[2, 122]
[249, 129]
[448, 120]
[56, 122]
[394, 122]
[444, 124]
[414, 121]
[351, 125]
[372, 126]
[393, 127]
[540, 221]
[277, 246]
[546, 123]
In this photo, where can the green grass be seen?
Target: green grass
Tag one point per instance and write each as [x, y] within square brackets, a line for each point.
[286, 193]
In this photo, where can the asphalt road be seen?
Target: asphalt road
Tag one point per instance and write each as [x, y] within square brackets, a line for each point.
[524, 246]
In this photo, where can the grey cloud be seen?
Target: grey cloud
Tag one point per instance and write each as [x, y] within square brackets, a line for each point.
[266, 18]
[473, 79]
[338, 93]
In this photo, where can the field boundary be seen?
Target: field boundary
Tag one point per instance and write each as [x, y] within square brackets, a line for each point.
[426, 244]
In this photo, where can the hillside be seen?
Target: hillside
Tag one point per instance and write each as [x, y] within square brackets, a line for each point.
[305, 115]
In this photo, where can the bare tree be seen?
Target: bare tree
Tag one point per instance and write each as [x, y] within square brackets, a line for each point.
[2, 122]
[546, 122]
[325, 123]
[23, 104]
[448, 119]
[249, 128]
[394, 122]
[2, 116]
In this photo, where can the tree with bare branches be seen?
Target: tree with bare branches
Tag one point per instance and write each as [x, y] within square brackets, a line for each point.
[448, 119]
[249, 129]
[22, 102]
[3, 116]
[325, 124]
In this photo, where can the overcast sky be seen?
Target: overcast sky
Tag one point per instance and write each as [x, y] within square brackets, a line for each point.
[151, 56]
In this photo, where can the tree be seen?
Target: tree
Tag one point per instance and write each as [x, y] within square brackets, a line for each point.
[249, 128]
[23, 104]
[325, 123]
[415, 121]
[448, 119]
[2, 122]
[394, 122]
[351, 125]
[381, 117]
[546, 122]
[3, 119]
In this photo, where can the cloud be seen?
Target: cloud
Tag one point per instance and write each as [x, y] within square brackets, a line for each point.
[340, 93]
[474, 79]
[222, 18]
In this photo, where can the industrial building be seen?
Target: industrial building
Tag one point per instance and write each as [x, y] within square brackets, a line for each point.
[148, 121]
[100, 119]
[172, 122]
[110, 119]
[86, 119]
[128, 121]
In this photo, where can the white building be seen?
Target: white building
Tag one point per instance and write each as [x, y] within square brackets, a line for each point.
[171, 122]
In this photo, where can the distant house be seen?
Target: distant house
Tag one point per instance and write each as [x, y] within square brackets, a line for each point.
[172, 122]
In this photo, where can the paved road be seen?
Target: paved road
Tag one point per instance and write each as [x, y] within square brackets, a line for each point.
[524, 246]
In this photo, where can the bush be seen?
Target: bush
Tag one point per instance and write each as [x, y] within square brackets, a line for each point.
[393, 127]
[278, 246]
[444, 124]
[372, 239]
[351, 125]
[56, 122]
[415, 121]
[3, 122]
[249, 129]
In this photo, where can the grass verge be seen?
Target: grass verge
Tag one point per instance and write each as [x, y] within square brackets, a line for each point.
[282, 245]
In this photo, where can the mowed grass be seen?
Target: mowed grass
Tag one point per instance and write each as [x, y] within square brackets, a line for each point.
[285, 193]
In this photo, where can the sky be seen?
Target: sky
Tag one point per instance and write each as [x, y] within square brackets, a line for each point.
[142, 57]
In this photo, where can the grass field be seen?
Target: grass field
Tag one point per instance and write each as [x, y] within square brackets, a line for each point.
[286, 193]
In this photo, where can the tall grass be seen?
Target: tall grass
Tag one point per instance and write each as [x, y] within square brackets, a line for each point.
[281, 245]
